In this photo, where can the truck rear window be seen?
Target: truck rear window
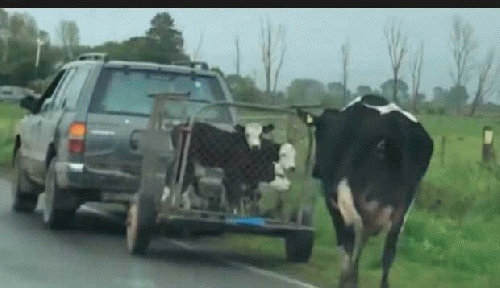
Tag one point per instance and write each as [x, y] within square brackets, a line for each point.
[121, 91]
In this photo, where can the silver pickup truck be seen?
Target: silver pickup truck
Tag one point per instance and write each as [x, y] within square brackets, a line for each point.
[76, 144]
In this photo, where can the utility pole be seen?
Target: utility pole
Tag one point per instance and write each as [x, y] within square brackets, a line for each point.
[39, 43]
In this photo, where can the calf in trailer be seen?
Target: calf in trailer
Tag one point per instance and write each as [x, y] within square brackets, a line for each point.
[268, 164]
[213, 147]
[370, 157]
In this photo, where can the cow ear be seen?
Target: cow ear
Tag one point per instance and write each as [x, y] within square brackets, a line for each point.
[268, 128]
[307, 118]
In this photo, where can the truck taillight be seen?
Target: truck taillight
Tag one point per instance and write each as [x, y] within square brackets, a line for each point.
[76, 137]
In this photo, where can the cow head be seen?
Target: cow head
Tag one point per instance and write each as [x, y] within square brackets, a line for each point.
[287, 157]
[329, 128]
[253, 133]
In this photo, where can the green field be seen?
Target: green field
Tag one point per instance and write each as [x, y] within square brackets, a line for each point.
[454, 244]
[10, 114]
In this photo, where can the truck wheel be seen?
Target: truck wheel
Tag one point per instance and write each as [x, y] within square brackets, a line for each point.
[24, 192]
[53, 217]
[299, 244]
[140, 223]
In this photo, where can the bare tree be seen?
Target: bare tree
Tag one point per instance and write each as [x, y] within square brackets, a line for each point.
[69, 35]
[489, 73]
[416, 72]
[397, 46]
[463, 42]
[272, 43]
[346, 51]
[238, 55]
[196, 52]
[17, 27]
[278, 69]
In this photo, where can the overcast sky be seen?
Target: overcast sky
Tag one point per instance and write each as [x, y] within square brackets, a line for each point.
[313, 36]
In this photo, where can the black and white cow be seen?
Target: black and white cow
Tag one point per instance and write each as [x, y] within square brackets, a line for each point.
[370, 156]
[243, 166]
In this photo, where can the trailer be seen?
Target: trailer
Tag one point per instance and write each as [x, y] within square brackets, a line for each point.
[165, 206]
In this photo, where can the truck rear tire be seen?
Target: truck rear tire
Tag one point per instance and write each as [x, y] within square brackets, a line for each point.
[55, 218]
[140, 223]
[24, 192]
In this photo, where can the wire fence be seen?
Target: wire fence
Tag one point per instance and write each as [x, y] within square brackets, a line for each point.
[264, 161]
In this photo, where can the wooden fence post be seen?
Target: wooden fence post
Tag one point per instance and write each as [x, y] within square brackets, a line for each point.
[487, 144]
[443, 145]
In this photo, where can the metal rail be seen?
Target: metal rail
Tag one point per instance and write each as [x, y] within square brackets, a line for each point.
[287, 109]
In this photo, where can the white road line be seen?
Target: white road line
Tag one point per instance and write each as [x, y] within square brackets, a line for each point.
[273, 274]
[253, 269]
[182, 244]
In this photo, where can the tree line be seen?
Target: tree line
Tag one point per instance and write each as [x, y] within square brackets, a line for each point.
[29, 59]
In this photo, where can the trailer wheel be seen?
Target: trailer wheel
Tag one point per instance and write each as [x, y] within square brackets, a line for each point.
[299, 244]
[140, 223]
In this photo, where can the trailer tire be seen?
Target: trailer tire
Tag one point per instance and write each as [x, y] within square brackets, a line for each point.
[140, 223]
[299, 244]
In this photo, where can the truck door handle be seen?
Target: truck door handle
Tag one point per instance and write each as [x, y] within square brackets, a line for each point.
[133, 142]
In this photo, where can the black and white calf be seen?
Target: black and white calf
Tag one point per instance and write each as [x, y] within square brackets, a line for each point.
[268, 164]
[285, 162]
[370, 156]
[243, 166]
[211, 147]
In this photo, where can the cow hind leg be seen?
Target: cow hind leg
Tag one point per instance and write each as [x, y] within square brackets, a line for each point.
[350, 234]
[346, 238]
[338, 223]
[348, 273]
[350, 253]
[389, 254]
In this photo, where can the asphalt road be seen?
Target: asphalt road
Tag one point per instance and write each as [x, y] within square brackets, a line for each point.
[94, 255]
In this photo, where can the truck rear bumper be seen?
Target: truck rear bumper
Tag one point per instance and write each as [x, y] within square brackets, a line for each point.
[113, 185]
[69, 174]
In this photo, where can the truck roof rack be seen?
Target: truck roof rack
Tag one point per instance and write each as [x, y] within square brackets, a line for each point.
[93, 56]
[192, 64]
